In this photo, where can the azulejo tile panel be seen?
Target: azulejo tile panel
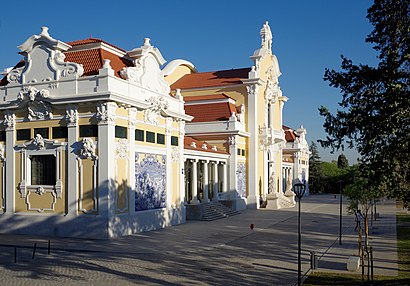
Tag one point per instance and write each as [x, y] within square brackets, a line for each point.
[241, 180]
[150, 181]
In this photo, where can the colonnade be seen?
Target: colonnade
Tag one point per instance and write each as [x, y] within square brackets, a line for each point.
[204, 180]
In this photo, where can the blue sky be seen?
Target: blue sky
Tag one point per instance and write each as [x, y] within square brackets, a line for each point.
[308, 36]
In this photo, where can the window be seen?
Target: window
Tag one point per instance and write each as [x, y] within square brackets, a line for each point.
[59, 132]
[160, 138]
[120, 132]
[139, 135]
[150, 137]
[43, 170]
[243, 152]
[42, 131]
[2, 135]
[88, 131]
[24, 134]
[174, 140]
[238, 151]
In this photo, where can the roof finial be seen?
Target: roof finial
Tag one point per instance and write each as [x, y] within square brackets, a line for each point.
[266, 36]
[146, 42]
[44, 31]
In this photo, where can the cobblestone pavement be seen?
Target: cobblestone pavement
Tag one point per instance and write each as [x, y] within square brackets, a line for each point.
[222, 252]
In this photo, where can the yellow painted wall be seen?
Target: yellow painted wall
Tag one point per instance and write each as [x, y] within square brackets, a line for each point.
[122, 185]
[175, 184]
[178, 73]
[37, 200]
[86, 186]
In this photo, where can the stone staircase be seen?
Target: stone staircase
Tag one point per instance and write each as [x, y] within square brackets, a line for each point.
[216, 210]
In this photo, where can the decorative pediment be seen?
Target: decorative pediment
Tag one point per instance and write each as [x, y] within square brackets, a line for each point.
[44, 61]
[147, 68]
[40, 143]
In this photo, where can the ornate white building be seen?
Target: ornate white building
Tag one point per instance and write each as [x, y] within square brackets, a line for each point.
[101, 142]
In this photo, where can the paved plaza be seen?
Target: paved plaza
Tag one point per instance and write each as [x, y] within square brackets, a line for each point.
[222, 252]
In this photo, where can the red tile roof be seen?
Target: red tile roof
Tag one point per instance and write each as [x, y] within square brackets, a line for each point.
[210, 79]
[92, 60]
[188, 145]
[205, 97]
[210, 111]
[92, 41]
[290, 134]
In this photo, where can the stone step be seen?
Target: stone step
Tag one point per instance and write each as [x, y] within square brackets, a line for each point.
[216, 210]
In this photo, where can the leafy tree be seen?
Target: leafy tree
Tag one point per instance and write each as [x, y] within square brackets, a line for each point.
[314, 168]
[342, 161]
[375, 105]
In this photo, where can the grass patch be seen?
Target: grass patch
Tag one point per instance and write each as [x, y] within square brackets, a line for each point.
[403, 251]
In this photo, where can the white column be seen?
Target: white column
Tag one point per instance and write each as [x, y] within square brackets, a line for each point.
[253, 147]
[182, 163]
[224, 178]
[194, 182]
[9, 122]
[106, 164]
[233, 164]
[132, 120]
[205, 182]
[72, 164]
[168, 166]
[216, 180]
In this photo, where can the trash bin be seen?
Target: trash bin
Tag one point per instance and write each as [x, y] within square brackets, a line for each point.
[313, 260]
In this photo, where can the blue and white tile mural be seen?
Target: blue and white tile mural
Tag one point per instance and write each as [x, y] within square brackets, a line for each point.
[150, 181]
[241, 177]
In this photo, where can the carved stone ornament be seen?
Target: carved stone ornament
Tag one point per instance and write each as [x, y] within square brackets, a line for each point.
[241, 115]
[2, 153]
[9, 121]
[175, 154]
[252, 89]
[106, 112]
[266, 36]
[272, 184]
[265, 138]
[87, 150]
[232, 141]
[157, 105]
[36, 106]
[71, 116]
[272, 91]
[44, 56]
[146, 70]
[122, 149]
[39, 142]
[40, 191]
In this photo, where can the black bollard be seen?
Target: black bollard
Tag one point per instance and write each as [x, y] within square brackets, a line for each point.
[371, 262]
[34, 250]
[49, 247]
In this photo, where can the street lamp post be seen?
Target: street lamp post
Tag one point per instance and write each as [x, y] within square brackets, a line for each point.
[340, 212]
[299, 190]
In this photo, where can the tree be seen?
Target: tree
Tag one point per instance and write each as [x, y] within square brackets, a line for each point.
[314, 168]
[342, 161]
[375, 105]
